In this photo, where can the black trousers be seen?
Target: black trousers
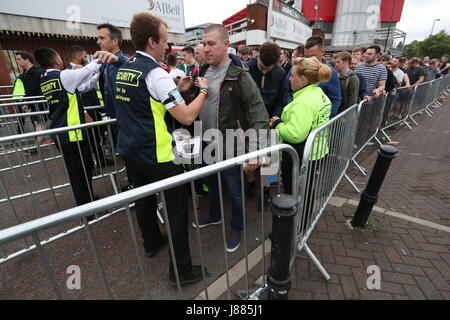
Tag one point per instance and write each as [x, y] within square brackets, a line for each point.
[80, 181]
[96, 137]
[177, 210]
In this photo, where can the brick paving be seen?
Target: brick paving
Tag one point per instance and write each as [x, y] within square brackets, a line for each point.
[414, 259]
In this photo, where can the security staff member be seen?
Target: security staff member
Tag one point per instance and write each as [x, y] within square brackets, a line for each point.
[78, 59]
[310, 109]
[62, 91]
[28, 84]
[144, 93]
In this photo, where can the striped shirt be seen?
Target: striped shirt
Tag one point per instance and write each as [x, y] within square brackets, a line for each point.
[373, 75]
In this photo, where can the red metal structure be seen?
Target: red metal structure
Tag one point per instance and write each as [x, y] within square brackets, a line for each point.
[327, 11]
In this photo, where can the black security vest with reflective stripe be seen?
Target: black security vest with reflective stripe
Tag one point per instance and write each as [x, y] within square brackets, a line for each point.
[66, 109]
[143, 136]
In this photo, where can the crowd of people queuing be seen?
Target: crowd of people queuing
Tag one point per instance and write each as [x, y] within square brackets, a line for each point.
[264, 87]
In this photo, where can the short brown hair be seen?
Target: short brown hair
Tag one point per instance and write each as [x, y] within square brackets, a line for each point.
[355, 50]
[414, 60]
[344, 56]
[74, 50]
[269, 53]
[172, 60]
[144, 25]
[244, 50]
[300, 51]
[223, 32]
[386, 57]
[25, 56]
[314, 41]
[114, 32]
[286, 53]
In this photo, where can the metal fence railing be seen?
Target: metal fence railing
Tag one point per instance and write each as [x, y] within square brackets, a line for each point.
[5, 90]
[397, 109]
[32, 173]
[327, 155]
[370, 116]
[37, 227]
[387, 112]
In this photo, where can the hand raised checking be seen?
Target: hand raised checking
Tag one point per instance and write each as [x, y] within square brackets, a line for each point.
[105, 57]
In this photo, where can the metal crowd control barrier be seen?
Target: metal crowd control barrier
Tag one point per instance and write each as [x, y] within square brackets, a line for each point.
[399, 106]
[327, 155]
[24, 122]
[433, 95]
[426, 97]
[27, 180]
[370, 116]
[17, 107]
[4, 89]
[43, 224]
[20, 97]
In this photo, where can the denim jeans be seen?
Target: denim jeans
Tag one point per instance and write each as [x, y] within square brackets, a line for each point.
[232, 179]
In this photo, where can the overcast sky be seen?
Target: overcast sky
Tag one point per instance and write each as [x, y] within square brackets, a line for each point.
[417, 18]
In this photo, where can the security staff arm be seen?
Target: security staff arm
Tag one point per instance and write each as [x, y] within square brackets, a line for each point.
[89, 85]
[187, 114]
[161, 86]
[71, 80]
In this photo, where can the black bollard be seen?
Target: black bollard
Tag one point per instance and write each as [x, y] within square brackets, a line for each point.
[284, 208]
[370, 196]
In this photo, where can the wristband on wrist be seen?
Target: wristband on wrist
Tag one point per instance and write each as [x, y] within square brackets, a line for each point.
[276, 123]
[204, 91]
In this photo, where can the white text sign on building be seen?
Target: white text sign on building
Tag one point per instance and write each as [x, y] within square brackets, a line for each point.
[289, 29]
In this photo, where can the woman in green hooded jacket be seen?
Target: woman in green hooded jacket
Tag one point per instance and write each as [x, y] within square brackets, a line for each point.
[310, 109]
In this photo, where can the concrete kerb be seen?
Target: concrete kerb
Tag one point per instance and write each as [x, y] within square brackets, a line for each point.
[340, 202]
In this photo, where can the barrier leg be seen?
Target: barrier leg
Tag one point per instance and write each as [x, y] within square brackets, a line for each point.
[412, 119]
[379, 142]
[407, 124]
[316, 262]
[385, 134]
[361, 169]
[352, 183]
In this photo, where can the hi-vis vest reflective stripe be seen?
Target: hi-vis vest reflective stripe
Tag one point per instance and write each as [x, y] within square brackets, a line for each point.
[143, 136]
[65, 108]
[73, 118]
[19, 88]
[99, 94]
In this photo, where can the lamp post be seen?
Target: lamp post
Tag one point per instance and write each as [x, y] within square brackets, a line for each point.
[317, 7]
[389, 30]
[432, 29]
[269, 20]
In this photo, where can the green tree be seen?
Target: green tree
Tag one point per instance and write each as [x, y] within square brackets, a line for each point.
[435, 46]
[411, 50]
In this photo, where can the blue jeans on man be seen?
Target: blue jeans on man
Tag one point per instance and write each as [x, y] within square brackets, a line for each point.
[232, 179]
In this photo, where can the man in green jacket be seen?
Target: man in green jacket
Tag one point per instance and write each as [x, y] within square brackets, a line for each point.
[234, 102]
[349, 80]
